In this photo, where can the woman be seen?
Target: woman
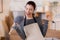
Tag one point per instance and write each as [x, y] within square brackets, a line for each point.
[29, 17]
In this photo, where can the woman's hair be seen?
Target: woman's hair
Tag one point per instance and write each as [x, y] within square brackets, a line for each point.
[32, 3]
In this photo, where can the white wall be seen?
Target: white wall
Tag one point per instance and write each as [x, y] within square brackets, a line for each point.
[5, 6]
[17, 5]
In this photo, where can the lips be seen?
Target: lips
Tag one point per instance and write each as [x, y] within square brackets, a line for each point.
[28, 13]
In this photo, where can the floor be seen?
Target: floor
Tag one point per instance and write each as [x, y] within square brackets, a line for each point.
[52, 39]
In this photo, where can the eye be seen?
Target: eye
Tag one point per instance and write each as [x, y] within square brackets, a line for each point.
[26, 8]
[30, 9]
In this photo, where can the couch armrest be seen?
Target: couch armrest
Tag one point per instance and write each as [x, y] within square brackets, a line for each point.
[53, 33]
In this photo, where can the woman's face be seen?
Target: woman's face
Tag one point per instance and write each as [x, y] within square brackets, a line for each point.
[29, 10]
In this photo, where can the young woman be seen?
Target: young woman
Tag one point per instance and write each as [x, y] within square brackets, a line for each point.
[29, 17]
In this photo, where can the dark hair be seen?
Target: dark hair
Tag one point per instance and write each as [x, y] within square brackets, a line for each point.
[32, 3]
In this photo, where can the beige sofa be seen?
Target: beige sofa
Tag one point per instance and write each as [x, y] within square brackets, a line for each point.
[6, 22]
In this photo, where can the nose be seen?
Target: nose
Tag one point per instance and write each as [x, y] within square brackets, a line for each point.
[28, 11]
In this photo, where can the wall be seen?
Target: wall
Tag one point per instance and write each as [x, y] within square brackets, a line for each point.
[5, 7]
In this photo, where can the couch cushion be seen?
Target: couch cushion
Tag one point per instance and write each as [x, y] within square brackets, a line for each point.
[3, 22]
[4, 25]
[1, 30]
[9, 19]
